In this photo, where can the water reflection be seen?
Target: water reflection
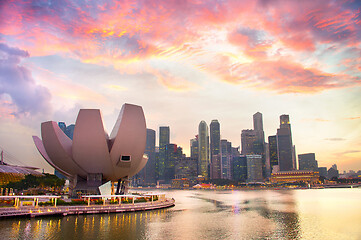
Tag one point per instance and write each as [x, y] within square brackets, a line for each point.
[210, 215]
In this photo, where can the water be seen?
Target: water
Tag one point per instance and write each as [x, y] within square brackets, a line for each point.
[203, 214]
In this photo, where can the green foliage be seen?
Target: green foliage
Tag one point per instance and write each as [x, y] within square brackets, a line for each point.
[7, 203]
[142, 199]
[73, 202]
[49, 203]
[31, 181]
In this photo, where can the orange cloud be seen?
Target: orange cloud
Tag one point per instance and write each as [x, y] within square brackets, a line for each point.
[121, 33]
[352, 118]
[173, 83]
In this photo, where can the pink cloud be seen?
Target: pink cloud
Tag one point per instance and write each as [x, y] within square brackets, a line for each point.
[129, 31]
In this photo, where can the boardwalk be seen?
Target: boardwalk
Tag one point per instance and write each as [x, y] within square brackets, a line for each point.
[81, 209]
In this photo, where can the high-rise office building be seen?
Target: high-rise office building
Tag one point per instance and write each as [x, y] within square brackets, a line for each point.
[239, 168]
[268, 162]
[254, 168]
[164, 135]
[307, 161]
[226, 159]
[194, 147]
[285, 148]
[186, 167]
[68, 130]
[147, 176]
[248, 139]
[203, 149]
[258, 126]
[259, 144]
[322, 171]
[215, 138]
[62, 126]
[150, 168]
[216, 167]
[333, 172]
[172, 156]
[273, 154]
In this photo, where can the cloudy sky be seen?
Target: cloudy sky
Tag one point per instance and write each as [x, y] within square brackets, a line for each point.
[185, 61]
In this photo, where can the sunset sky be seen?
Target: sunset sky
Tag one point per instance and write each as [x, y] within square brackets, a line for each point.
[183, 62]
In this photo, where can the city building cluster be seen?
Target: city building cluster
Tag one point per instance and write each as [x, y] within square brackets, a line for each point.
[213, 158]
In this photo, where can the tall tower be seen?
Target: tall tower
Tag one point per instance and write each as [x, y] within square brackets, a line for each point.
[258, 126]
[150, 151]
[248, 137]
[146, 176]
[194, 147]
[215, 138]
[163, 142]
[260, 143]
[273, 154]
[171, 158]
[203, 149]
[226, 156]
[284, 145]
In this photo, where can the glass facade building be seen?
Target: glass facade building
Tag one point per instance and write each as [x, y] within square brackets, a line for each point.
[164, 136]
[215, 138]
[203, 150]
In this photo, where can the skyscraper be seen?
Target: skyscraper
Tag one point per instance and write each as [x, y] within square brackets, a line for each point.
[203, 149]
[258, 126]
[248, 139]
[171, 159]
[150, 151]
[147, 176]
[194, 147]
[216, 167]
[307, 161]
[164, 135]
[285, 148]
[254, 168]
[273, 154]
[62, 126]
[259, 144]
[226, 153]
[239, 168]
[215, 138]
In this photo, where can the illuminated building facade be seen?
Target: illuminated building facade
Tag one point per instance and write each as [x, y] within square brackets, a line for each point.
[295, 176]
[226, 159]
[239, 168]
[216, 167]
[285, 148]
[194, 147]
[164, 136]
[273, 153]
[215, 138]
[203, 150]
[254, 168]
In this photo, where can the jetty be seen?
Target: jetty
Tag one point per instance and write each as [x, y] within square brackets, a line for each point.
[37, 211]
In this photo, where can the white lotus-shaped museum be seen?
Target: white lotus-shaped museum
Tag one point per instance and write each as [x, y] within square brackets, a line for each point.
[92, 151]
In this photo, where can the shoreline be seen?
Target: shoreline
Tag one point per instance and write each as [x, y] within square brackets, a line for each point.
[253, 188]
[10, 212]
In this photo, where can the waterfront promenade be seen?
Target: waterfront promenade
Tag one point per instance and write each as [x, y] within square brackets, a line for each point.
[31, 211]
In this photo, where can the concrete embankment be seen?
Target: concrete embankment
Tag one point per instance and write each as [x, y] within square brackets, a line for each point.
[81, 209]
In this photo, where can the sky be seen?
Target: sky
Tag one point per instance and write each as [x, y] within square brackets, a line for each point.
[184, 62]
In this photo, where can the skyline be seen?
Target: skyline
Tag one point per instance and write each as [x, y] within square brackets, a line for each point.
[185, 62]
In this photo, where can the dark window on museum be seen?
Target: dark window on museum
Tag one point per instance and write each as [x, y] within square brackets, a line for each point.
[125, 158]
